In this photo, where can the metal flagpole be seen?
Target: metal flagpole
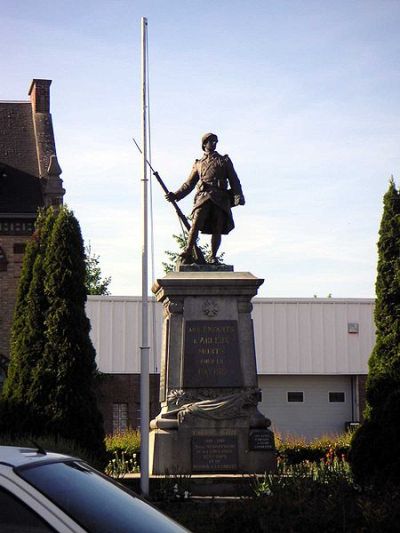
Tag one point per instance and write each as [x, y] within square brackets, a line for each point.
[144, 348]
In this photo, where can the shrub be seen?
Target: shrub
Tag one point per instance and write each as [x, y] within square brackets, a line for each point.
[123, 452]
[296, 449]
[124, 441]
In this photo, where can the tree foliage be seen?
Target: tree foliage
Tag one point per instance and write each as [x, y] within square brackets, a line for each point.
[181, 240]
[50, 389]
[27, 332]
[374, 453]
[94, 282]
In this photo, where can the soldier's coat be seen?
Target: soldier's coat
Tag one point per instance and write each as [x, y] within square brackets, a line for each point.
[212, 174]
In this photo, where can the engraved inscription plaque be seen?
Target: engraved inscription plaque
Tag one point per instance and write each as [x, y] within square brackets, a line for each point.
[261, 439]
[211, 354]
[214, 454]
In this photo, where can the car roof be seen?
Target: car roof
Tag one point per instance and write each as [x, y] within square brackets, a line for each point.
[17, 456]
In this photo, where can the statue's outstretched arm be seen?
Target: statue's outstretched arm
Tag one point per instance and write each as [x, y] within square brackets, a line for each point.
[189, 184]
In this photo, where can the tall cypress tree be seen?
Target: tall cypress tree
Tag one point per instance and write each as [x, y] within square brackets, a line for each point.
[27, 334]
[374, 453]
[50, 386]
[63, 379]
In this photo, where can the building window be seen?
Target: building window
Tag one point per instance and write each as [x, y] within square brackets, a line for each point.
[120, 417]
[138, 418]
[19, 247]
[295, 397]
[3, 370]
[3, 376]
[3, 260]
[336, 397]
[353, 327]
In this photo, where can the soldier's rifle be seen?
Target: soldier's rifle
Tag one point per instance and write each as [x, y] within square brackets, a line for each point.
[199, 253]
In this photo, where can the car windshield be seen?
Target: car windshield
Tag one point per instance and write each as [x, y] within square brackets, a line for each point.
[93, 501]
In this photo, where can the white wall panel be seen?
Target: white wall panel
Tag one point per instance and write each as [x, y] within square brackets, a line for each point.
[293, 336]
[310, 336]
[315, 416]
[116, 331]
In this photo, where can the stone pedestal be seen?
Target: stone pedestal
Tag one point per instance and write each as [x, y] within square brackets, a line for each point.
[209, 421]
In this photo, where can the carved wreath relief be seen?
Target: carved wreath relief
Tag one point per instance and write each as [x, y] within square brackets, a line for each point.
[210, 308]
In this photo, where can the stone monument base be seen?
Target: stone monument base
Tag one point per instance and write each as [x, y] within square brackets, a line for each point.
[221, 447]
[209, 421]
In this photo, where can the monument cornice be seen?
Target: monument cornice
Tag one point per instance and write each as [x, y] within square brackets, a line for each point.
[212, 283]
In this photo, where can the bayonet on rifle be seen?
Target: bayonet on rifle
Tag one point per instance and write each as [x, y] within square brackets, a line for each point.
[199, 253]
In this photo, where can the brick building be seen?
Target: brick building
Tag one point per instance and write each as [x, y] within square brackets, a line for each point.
[29, 179]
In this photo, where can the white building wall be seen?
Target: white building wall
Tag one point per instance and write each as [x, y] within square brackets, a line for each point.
[116, 329]
[313, 417]
[293, 336]
[310, 336]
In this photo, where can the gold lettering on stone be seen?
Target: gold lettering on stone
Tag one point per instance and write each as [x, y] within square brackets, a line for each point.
[214, 453]
[211, 354]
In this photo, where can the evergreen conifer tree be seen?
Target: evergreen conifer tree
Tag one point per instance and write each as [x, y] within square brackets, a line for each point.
[374, 453]
[27, 335]
[63, 379]
[50, 386]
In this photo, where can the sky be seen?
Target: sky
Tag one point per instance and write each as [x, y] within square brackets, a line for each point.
[304, 96]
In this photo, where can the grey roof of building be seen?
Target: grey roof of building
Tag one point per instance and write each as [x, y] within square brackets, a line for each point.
[20, 187]
[20, 192]
[17, 137]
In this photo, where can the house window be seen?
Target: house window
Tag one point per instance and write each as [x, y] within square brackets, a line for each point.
[3, 260]
[19, 247]
[336, 397]
[295, 397]
[138, 418]
[3, 369]
[120, 417]
[3, 375]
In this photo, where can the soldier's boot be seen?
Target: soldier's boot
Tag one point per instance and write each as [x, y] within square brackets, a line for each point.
[215, 244]
[213, 260]
[186, 258]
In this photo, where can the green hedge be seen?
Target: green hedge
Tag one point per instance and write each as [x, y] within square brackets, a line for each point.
[126, 441]
[294, 450]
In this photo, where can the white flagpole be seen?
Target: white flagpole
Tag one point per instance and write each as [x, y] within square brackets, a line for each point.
[144, 349]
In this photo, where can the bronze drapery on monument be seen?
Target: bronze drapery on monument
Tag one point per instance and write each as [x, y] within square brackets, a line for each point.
[209, 420]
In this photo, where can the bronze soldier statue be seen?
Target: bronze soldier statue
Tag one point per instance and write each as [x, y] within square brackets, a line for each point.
[213, 200]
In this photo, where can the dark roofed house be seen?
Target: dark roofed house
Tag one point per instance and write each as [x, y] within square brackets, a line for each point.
[29, 179]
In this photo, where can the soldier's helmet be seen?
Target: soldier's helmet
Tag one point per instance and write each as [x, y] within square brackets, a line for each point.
[206, 137]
